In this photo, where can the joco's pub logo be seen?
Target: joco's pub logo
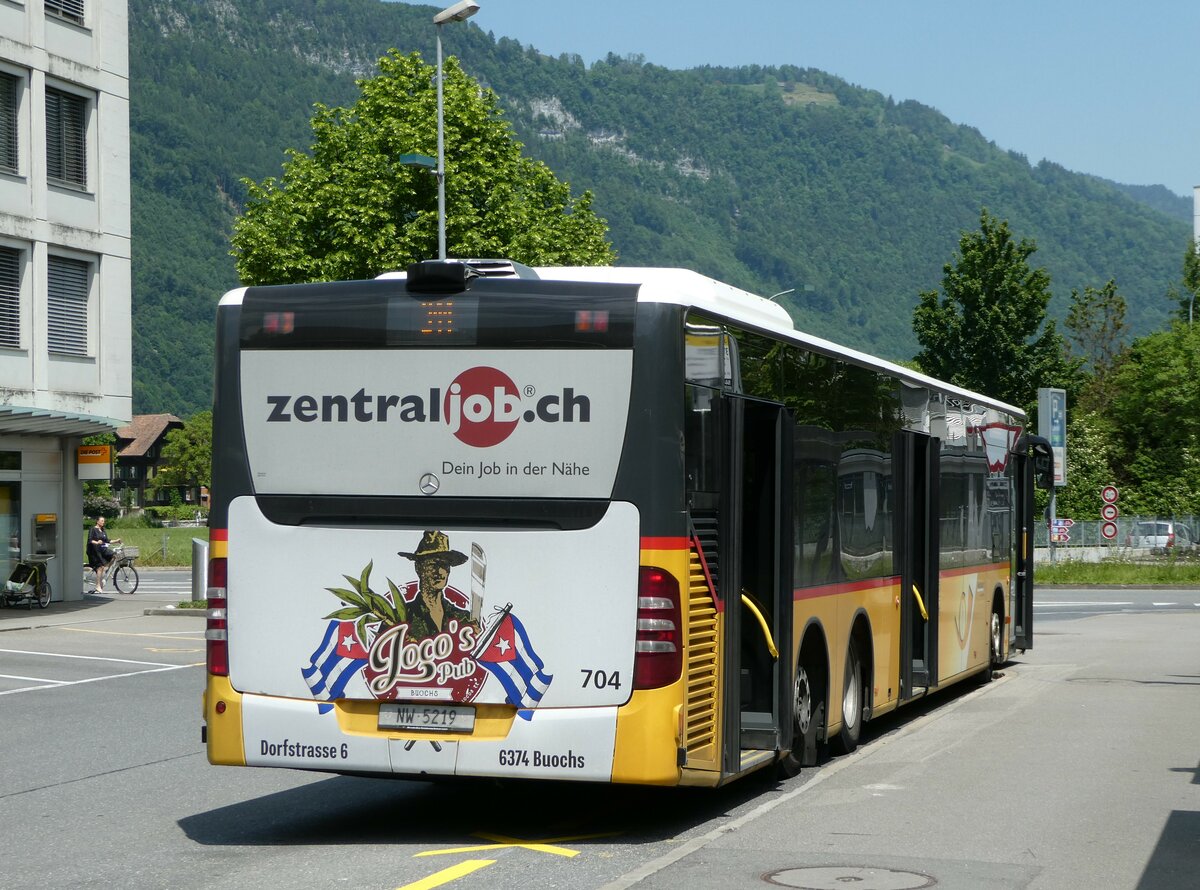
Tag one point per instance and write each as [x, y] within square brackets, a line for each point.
[425, 640]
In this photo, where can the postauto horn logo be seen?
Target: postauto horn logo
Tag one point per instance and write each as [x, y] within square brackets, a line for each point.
[481, 406]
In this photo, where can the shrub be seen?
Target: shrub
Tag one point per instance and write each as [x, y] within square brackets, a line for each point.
[100, 505]
[176, 513]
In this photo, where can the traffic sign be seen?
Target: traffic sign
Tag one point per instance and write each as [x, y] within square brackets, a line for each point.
[1109, 512]
[1109, 494]
[1063, 523]
[1060, 537]
[1108, 530]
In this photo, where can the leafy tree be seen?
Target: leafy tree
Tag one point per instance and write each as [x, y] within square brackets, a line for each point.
[1155, 409]
[984, 332]
[1096, 326]
[352, 209]
[1191, 282]
[98, 497]
[187, 455]
[1093, 450]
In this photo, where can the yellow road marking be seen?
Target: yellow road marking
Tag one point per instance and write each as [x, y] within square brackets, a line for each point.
[546, 845]
[117, 633]
[446, 875]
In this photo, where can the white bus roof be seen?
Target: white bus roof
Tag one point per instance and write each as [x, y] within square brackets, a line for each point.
[684, 287]
[687, 288]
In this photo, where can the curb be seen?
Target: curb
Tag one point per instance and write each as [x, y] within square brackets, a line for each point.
[172, 610]
[1037, 587]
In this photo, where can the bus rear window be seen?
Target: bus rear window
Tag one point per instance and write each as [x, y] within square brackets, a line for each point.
[379, 314]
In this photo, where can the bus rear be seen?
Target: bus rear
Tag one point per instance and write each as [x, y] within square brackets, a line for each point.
[427, 552]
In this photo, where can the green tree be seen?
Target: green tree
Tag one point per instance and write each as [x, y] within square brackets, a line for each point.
[1092, 453]
[983, 333]
[1155, 409]
[98, 497]
[351, 209]
[1096, 327]
[1191, 282]
[187, 456]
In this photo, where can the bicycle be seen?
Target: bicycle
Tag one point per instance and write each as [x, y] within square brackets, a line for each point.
[27, 583]
[121, 570]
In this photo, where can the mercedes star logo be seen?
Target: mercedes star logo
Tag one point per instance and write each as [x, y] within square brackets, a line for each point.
[429, 484]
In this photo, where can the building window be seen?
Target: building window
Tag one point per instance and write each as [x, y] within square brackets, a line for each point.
[71, 10]
[10, 102]
[69, 282]
[66, 143]
[10, 297]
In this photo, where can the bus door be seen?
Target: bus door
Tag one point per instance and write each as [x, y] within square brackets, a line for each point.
[756, 579]
[916, 486]
[1032, 468]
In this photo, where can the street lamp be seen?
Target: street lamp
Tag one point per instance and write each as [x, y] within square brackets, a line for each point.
[459, 12]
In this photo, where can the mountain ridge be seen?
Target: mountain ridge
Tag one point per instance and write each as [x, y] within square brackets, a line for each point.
[771, 178]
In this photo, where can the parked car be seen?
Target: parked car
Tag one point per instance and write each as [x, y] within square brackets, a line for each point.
[1161, 536]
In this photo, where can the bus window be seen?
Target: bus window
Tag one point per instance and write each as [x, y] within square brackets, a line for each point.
[701, 441]
[758, 365]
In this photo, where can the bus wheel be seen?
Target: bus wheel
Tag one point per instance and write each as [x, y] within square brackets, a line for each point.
[994, 642]
[852, 701]
[808, 710]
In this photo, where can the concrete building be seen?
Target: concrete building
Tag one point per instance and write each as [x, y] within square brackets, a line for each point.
[65, 356]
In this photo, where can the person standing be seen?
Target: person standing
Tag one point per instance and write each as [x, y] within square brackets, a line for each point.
[99, 551]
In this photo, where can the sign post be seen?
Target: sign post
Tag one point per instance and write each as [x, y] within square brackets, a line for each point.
[1052, 426]
[1109, 512]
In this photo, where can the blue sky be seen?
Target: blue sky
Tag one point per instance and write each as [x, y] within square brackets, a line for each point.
[1108, 87]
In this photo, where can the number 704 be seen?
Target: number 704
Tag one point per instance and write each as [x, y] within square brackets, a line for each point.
[598, 679]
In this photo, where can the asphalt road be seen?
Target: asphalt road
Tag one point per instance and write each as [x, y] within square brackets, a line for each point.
[1077, 769]
[1059, 603]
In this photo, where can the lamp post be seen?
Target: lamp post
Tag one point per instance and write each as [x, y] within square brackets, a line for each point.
[460, 11]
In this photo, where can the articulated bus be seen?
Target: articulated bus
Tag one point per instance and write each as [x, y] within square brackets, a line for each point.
[593, 524]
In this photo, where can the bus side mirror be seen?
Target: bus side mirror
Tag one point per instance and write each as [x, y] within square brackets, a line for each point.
[1043, 464]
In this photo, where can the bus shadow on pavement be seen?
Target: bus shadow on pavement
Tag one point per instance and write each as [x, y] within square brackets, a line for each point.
[350, 810]
[1176, 858]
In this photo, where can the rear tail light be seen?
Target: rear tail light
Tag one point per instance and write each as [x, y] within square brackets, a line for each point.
[217, 632]
[658, 651]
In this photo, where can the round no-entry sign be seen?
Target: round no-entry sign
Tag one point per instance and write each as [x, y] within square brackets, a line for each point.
[1109, 511]
[1108, 494]
[1108, 530]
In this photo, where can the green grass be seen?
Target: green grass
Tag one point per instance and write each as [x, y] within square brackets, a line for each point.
[178, 544]
[1114, 573]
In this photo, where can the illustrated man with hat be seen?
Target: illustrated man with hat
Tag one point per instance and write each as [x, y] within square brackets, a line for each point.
[431, 610]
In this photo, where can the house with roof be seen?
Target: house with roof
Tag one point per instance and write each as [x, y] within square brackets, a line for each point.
[139, 458]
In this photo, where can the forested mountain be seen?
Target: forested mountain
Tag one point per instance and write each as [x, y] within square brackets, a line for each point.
[772, 179]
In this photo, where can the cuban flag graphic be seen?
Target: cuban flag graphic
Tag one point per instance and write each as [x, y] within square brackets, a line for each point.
[505, 651]
[335, 662]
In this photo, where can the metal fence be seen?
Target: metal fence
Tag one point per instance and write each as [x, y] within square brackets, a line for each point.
[1086, 532]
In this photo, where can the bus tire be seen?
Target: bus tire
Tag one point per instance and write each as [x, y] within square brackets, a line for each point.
[995, 628]
[852, 701]
[808, 718]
